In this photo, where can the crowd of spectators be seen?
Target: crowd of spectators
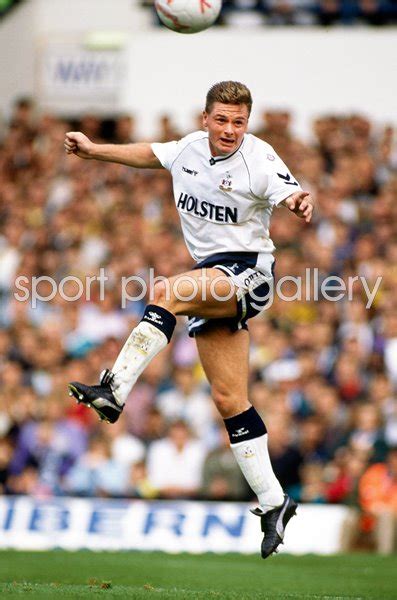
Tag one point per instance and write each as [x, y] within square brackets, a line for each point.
[323, 372]
[305, 12]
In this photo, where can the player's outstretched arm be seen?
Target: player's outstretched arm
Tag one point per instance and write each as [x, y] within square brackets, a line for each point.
[138, 155]
[301, 204]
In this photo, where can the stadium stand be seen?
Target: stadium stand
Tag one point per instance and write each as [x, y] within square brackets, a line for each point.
[305, 12]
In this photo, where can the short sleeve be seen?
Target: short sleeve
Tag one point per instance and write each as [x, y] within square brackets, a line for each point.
[166, 153]
[281, 183]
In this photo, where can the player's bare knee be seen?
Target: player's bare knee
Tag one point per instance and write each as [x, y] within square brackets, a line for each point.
[225, 400]
[164, 295]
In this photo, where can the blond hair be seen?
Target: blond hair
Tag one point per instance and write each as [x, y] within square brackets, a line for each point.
[228, 92]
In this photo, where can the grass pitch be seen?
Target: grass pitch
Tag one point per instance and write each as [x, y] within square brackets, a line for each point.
[153, 575]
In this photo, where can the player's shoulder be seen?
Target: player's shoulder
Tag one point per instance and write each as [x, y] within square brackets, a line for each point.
[256, 147]
[258, 154]
[169, 152]
[191, 142]
[192, 138]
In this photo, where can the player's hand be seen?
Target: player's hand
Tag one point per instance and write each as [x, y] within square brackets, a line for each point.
[301, 204]
[79, 144]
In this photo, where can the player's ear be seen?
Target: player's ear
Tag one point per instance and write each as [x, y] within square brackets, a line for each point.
[205, 119]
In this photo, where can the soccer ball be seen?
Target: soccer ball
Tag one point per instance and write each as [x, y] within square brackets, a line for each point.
[188, 16]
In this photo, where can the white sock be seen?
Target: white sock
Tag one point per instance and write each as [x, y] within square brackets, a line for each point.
[254, 461]
[143, 344]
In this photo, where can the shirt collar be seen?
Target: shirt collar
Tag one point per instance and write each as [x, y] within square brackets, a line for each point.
[216, 159]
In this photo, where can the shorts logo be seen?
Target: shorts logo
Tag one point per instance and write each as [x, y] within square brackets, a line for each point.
[248, 280]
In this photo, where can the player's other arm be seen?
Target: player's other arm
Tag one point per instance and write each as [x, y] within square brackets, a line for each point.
[301, 204]
[138, 155]
[279, 185]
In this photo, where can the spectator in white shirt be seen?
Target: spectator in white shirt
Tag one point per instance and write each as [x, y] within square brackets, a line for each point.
[188, 401]
[125, 447]
[175, 463]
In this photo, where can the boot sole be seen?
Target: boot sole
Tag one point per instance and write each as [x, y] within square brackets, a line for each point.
[81, 399]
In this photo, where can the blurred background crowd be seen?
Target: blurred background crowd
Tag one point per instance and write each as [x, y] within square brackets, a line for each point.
[304, 12]
[323, 373]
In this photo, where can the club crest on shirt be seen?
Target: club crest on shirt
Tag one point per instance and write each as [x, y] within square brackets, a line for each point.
[226, 185]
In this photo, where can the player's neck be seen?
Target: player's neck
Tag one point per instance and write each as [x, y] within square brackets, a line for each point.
[215, 153]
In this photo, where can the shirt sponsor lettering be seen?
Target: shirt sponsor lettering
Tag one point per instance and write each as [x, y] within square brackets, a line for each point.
[207, 210]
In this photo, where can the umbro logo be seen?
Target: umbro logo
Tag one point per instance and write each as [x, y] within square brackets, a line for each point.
[154, 317]
[240, 432]
[190, 171]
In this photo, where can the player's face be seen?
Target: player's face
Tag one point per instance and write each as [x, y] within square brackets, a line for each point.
[226, 125]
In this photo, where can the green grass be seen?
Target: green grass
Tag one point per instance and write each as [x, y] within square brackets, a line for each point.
[153, 575]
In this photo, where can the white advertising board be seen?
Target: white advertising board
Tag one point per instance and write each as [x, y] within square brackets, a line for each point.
[72, 77]
[196, 527]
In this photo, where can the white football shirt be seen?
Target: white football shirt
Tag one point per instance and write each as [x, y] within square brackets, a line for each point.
[225, 202]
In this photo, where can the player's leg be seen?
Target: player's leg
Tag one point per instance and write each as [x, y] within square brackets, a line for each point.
[205, 292]
[224, 356]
